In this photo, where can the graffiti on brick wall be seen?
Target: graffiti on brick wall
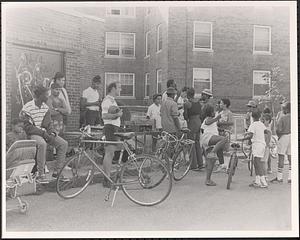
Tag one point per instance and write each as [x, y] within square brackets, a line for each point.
[29, 73]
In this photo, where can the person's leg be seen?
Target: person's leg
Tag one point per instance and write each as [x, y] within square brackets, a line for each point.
[108, 157]
[290, 169]
[90, 117]
[198, 150]
[279, 169]
[219, 142]
[41, 153]
[61, 146]
[209, 168]
[194, 164]
[269, 169]
[257, 171]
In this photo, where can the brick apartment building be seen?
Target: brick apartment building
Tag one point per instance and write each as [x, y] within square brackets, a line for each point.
[226, 49]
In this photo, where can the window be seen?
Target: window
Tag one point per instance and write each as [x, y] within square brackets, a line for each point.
[262, 39]
[122, 12]
[202, 79]
[202, 36]
[158, 80]
[147, 44]
[159, 38]
[120, 44]
[126, 80]
[147, 85]
[261, 83]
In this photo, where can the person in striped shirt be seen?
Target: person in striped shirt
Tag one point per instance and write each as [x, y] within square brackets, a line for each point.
[38, 126]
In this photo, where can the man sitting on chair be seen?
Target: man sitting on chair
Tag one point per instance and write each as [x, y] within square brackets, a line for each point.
[38, 126]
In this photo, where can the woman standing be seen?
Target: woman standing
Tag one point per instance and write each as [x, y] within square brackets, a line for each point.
[192, 112]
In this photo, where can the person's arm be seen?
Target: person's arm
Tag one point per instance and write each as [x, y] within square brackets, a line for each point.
[109, 116]
[67, 102]
[211, 120]
[279, 127]
[174, 114]
[268, 136]
[53, 112]
[149, 113]
[63, 110]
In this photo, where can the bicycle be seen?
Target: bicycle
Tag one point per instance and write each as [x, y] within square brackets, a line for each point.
[175, 153]
[232, 165]
[137, 177]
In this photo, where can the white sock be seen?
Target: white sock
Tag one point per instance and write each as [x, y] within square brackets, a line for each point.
[279, 175]
[257, 179]
[263, 180]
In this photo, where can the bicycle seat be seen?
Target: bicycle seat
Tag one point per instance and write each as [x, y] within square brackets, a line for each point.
[185, 130]
[124, 136]
[235, 145]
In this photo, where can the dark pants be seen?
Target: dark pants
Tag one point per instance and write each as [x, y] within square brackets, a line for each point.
[92, 117]
[194, 124]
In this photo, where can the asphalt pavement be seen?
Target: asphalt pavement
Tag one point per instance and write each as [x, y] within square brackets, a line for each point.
[191, 206]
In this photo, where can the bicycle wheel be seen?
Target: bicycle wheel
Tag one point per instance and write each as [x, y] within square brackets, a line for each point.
[182, 162]
[75, 176]
[231, 168]
[145, 180]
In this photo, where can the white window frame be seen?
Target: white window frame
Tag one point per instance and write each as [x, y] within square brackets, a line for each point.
[120, 50]
[147, 78]
[264, 72]
[108, 12]
[270, 40]
[147, 54]
[157, 39]
[157, 71]
[211, 37]
[210, 79]
[123, 97]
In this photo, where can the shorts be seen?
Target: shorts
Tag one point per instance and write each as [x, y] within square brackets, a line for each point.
[266, 155]
[258, 149]
[109, 131]
[284, 144]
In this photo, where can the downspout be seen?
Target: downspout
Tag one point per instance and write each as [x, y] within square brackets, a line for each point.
[186, 46]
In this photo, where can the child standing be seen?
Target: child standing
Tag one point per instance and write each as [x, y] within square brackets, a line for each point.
[283, 130]
[57, 108]
[266, 119]
[211, 137]
[256, 133]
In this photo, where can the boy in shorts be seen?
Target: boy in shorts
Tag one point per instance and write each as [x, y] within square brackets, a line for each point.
[283, 130]
[256, 133]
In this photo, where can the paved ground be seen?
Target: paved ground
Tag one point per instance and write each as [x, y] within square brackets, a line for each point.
[191, 206]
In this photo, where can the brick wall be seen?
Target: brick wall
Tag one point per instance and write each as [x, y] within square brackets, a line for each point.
[79, 39]
[232, 60]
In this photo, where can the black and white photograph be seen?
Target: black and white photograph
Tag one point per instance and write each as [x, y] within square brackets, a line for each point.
[149, 119]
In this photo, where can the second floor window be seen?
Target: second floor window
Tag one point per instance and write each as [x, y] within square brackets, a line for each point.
[159, 38]
[262, 39]
[147, 44]
[202, 36]
[158, 80]
[120, 44]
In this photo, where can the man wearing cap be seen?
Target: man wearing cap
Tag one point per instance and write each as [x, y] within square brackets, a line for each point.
[169, 113]
[170, 83]
[206, 98]
[248, 120]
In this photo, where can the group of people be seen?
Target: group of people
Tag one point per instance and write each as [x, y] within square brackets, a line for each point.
[45, 117]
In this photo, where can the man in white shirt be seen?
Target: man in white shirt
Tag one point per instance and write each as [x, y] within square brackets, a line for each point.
[91, 102]
[154, 111]
[112, 123]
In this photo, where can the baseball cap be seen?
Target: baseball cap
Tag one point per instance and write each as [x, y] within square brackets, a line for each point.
[251, 103]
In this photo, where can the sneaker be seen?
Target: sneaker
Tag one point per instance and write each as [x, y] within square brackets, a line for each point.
[264, 185]
[270, 171]
[289, 181]
[42, 179]
[276, 180]
[220, 168]
[210, 183]
[61, 177]
[255, 185]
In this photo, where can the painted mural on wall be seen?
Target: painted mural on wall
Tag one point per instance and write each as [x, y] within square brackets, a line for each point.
[31, 67]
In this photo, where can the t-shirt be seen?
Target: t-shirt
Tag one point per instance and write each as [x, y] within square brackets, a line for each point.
[106, 103]
[91, 95]
[284, 124]
[154, 113]
[165, 96]
[169, 111]
[257, 128]
[35, 113]
[180, 102]
[211, 129]
[226, 117]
